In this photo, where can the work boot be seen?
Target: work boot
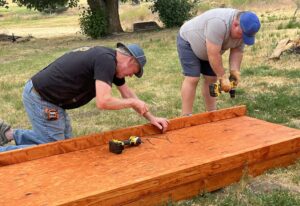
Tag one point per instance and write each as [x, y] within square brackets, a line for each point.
[3, 128]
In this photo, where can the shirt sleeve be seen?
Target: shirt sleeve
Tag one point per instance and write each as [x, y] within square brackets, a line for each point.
[216, 31]
[118, 82]
[105, 68]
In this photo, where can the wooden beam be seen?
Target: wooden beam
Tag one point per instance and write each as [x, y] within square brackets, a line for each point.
[93, 140]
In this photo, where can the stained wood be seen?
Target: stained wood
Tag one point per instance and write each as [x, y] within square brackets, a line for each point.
[93, 140]
[175, 165]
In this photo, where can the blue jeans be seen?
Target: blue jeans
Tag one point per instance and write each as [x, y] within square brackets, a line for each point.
[43, 130]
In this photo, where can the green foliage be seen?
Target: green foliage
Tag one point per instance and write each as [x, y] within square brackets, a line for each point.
[277, 105]
[293, 24]
[296, 175]
[46, 5]
[279, 198]
[290, 25]
[172, 13]
[274, 198]
[265, 70]
[4, 3]
[245, 2]
[239, 2]
[244, 197]
[93, 23]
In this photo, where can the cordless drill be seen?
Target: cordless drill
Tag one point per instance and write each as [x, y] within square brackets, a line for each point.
[215, 88]
[233, 84]
[117, 146]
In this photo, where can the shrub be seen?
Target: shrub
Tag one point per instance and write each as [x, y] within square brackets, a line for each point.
[172, 13]
[93, 23]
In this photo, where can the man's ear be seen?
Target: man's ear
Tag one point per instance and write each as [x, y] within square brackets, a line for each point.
[122, 57]
[235, 22]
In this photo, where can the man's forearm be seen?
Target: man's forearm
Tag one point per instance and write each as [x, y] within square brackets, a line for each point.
[148, 116]
[113, 103]
[215, 61]
[235, 59]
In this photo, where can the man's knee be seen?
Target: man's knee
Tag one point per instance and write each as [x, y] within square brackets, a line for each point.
[192, 81]
[56, 136]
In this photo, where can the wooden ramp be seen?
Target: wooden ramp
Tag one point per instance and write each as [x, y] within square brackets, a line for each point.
[203, 152]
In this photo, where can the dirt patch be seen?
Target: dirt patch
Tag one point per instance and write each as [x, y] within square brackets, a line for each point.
[44, 32]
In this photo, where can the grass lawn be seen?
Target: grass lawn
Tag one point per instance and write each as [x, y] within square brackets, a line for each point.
[270, 89]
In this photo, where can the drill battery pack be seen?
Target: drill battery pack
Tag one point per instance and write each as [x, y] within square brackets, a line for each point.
[116, 146]
[214, 90]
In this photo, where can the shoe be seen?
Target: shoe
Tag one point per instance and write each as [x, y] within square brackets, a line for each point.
[3, 128]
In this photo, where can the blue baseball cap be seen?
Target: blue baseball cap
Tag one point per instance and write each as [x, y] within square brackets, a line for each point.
[137, 52]
[250, 25]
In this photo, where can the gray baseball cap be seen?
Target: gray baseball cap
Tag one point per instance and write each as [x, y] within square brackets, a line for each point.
[137, 52]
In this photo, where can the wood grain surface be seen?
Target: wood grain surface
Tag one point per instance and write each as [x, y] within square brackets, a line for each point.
[93, 140]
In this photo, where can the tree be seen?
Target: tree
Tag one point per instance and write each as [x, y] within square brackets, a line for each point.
[3, 3]
[42, 5]
[110, 7]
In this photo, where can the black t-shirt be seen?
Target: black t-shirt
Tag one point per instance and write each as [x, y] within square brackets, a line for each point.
[69, 81]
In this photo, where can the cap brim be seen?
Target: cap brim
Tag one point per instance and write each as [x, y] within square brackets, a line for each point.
[120, 45]
[249, 40]
[140, 73]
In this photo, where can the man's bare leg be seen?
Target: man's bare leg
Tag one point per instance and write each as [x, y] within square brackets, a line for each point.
[188, 93]
[210, 102]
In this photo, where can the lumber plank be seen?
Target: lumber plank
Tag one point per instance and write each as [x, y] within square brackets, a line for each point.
[88, 141]
[177, 164]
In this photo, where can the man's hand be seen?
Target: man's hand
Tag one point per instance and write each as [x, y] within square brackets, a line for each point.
[140, 106]
[160, 123]
[235, 75]
[225, 84]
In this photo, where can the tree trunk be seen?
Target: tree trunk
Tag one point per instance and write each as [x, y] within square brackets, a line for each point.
[111, 7]
[114, 24]
[96, 4]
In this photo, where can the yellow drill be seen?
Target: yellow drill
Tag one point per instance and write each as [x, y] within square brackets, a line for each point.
[215, 88]
[117, 146]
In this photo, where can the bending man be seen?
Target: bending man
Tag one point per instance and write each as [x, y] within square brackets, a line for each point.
[202, 41]
[72, 81]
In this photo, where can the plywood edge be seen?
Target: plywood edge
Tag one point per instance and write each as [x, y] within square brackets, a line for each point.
[97, 139]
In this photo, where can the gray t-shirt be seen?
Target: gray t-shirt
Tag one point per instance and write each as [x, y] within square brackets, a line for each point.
[213, 25]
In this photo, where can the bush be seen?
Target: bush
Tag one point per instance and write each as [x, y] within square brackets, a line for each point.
[93, 23]
[172, 13]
